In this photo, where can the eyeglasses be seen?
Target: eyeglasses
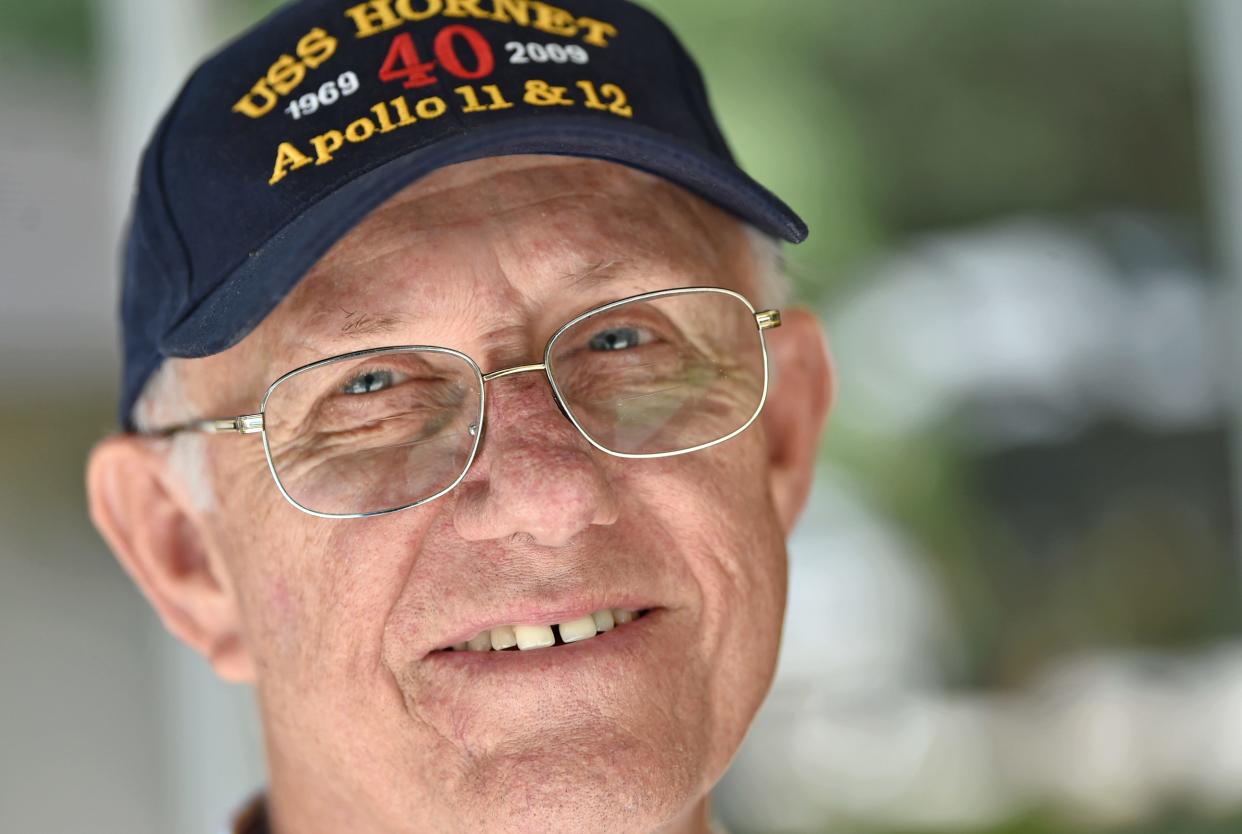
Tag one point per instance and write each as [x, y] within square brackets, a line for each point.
[386, 429]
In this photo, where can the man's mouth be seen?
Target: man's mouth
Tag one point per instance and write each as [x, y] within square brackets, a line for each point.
[525, 637]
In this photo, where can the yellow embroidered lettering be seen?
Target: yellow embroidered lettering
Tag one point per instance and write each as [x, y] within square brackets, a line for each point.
[472, 99]
[498, 101]
[288, 158]
[316, 47]
[373, 17]
[511, 11]
[430, 107]
[285, 74]
[381, 116]
[592, 97]
[361, 130]
[598, 31]
[553, 20]
[248, 105]
[473, 105]
[403, 111]
[541, 94]
[619, 103]
[326, 144]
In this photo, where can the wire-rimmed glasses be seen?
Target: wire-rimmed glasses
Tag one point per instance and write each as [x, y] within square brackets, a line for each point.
[385, 429]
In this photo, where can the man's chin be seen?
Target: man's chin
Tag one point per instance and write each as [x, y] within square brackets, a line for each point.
[613, 734]
[602, 779]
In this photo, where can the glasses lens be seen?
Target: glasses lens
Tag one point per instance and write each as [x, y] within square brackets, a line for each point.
[375, 432]
[662, 374]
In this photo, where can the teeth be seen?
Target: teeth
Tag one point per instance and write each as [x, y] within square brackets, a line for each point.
[541, 636]
[534, 636]
[579, 629]
[603, 620]
[503, 637]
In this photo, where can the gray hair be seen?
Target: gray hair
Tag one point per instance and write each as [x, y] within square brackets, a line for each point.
[773, 287]
[165, 399]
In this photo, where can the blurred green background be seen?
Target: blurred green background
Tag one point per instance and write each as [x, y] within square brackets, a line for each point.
[1015, 599]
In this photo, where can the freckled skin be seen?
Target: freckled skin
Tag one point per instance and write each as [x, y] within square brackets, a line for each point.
[335, 616]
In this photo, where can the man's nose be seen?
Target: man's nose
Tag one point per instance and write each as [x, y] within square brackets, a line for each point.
[534, 472]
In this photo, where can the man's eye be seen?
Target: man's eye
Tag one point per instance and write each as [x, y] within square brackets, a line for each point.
[370, 382]
[617, 338]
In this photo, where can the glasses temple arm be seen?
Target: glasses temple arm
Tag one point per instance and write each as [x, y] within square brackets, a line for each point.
[242, 424]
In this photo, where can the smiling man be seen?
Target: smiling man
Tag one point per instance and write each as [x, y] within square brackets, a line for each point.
[459, 418]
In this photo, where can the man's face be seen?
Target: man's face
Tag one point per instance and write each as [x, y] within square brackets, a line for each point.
[341, 620]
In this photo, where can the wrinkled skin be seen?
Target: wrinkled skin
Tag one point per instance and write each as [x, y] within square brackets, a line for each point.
[334, 620]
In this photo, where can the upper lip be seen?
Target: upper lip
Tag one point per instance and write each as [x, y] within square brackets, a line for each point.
[532, 613]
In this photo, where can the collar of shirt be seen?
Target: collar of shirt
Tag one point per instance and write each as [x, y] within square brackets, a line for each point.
[251, 819]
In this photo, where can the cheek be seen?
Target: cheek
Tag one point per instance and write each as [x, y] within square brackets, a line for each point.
[277, 587]
[715, 509]
[312, 592]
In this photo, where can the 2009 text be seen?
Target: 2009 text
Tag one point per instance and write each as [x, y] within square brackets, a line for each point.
[542, 53]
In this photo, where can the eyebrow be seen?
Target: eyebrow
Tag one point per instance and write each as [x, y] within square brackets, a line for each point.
[359, 323]
[595, 273]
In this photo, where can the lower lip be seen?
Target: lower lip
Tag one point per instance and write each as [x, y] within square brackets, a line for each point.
[622, 639]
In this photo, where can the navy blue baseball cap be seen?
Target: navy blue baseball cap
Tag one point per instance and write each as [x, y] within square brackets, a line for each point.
[281, 142]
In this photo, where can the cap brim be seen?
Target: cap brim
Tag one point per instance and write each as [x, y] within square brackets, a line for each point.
[257, 285]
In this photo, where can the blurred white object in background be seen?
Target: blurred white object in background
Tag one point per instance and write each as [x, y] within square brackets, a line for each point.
[1052, 331]
[860, 732]
[1054, 328]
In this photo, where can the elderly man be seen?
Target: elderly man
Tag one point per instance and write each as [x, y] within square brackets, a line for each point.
[459, 418]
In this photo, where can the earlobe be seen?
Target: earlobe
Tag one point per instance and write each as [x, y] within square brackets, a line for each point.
[161, 541]
[800, 394]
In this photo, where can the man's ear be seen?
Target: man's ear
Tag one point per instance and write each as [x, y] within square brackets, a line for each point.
[800, 393]
[159, 536]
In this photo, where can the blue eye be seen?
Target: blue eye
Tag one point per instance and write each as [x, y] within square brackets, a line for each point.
[369, 382]
[615, 338]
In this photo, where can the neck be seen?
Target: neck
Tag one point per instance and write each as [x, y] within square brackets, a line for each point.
[302, 799]
[285, 815]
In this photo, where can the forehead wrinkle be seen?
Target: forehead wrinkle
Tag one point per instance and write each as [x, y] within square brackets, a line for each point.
[594, 274]
[490, 194]
[486, 195]
[473, 175]
[650, 232]
[375, 240]
[481, 212]
[357, 251]
[371, 244]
